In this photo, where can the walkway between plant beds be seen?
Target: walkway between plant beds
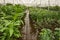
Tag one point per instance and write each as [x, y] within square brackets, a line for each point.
[26, 30]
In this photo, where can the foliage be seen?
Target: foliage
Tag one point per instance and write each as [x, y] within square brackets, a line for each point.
[46, 34]
[45, 18]
[57, 34]
[53, 8]
[11, 21]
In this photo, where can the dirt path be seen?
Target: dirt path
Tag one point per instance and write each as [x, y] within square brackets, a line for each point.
[27, 28]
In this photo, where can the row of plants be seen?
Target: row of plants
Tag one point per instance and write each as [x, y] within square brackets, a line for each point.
[11, 19]
[53, 8]
[47, 34]
[47, 22]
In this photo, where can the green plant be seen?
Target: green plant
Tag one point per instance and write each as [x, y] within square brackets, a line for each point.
[57, 34]
[11, 21]
[45, 34]
[44, 18]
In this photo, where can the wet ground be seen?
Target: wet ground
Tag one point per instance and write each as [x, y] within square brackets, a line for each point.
[28, 32]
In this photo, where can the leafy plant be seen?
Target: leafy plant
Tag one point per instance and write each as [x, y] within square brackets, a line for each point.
[46, 34]
[45, 18]
[11, 21]
[57, 34]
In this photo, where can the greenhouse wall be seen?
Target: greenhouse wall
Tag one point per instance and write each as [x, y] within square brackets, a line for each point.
[33, 2]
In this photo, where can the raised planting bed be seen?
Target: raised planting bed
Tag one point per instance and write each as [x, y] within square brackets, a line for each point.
[47, 22]
[11, 20]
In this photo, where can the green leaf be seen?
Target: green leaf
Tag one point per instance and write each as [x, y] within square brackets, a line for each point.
[2, 29]
[11, 30]
[17, 22]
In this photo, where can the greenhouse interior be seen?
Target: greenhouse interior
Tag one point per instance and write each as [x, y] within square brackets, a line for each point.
[29, 19]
